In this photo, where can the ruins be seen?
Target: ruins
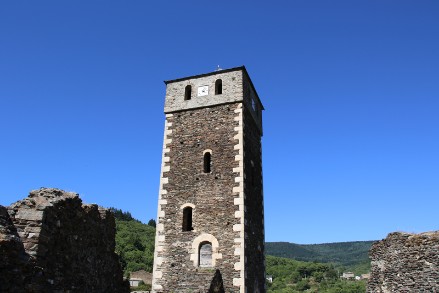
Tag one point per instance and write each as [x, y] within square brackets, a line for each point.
[52, 242]
[405, 262]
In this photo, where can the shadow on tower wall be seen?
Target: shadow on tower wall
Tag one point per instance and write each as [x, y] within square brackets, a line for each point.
[216, 286]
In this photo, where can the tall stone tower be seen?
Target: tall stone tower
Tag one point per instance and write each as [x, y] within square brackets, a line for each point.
[210, 221]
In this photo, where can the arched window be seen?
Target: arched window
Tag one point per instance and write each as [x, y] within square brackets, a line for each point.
[187, 92]
[207, 162]
[218, 87]
[198, 249]
[187, 219]
[205, 255]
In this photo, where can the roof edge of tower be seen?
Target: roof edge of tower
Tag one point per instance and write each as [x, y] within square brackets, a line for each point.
[220, 71]
[206, 74]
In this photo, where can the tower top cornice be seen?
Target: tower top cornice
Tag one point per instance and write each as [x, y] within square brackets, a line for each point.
[208, 74]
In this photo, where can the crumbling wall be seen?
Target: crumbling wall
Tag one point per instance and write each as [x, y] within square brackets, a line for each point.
[69, 246]
[15, 264]
[405, 262]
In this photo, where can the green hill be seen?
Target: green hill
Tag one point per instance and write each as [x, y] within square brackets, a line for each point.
[134, 242]
[290, 250]
[290, 276]
[346, 255]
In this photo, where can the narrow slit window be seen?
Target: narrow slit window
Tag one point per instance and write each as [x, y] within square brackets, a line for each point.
[207, 162]
[187, 219]
[188, 92]
[205, 255]
[218, 87]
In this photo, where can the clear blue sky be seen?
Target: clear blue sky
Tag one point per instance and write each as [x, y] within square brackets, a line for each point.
[351, 91]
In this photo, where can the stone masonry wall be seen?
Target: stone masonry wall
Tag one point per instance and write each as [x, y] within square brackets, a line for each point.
[70, 246]
[405, 262]
[15, 264]
[210, 194]
[232, 91]
[254, 206]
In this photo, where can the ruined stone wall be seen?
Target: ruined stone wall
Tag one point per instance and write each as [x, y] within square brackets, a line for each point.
[70, 246]
[405, 262]
[15, 265]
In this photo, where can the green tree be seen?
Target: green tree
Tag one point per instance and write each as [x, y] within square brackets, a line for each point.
[152, 223]
[297, 276]
[303, 285]
[134, 244]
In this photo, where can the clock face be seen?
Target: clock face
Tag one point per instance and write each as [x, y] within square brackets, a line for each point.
[203, 90]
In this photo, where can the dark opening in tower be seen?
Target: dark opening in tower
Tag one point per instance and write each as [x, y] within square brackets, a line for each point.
[187, 92]
[187, 219]
[207, 162]
[218, 87]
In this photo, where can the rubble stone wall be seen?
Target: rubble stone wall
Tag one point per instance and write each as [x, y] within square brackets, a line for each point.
[15, 264]
[54, 243]
[405, 262]
[209, 193]
[254, 206]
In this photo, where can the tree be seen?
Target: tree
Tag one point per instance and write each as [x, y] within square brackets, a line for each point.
[152, 223]
[121, 215]
[303, 285]
[135, 245]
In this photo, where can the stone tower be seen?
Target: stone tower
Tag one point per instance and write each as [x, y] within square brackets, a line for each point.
[210, 221]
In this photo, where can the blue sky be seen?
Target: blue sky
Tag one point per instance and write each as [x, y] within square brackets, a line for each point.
[350, 88]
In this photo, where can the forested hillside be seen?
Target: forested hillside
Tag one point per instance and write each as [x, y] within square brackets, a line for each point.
[345, 255]
[290, 276]
[134, 242]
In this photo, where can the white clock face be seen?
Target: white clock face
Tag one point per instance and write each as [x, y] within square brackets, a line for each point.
[203, 90]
